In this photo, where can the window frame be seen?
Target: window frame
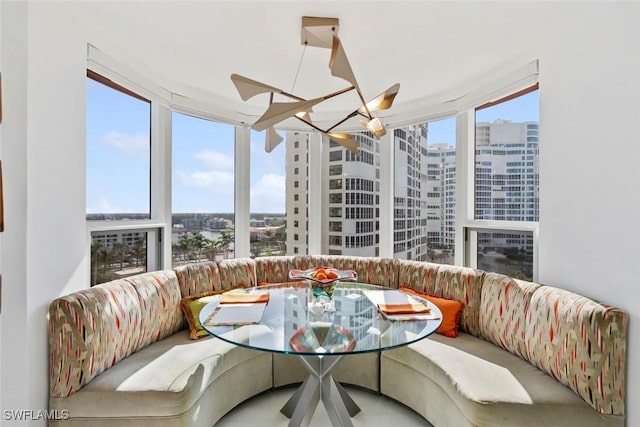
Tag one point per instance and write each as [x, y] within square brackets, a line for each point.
[466, 245]
[159, 249]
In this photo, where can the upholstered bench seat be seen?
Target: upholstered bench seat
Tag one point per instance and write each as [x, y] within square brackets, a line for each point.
[485, 383]
[175, 378]
[526, 354]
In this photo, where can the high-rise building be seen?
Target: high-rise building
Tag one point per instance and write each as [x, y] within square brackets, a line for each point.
[506, 189]
[297, 185]
[506, 179]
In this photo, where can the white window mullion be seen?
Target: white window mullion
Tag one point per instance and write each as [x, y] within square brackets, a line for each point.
[464, 181]
[160, 186]
[387, 186]
[242, 184]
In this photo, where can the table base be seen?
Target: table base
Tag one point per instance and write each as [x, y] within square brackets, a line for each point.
[320, 385]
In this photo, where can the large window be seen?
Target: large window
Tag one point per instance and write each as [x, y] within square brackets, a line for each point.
[507, 183]
[118, 152]
[118, 180]
[268, 198]
[425, 191]
[203, 190]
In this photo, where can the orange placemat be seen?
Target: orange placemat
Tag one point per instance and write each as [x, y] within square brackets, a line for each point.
[403, 308]
[233, 298]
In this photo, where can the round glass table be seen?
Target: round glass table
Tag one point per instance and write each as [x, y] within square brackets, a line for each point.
[320, 333]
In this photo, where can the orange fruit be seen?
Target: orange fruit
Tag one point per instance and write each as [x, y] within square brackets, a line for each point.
[332, 275]
[321, 275]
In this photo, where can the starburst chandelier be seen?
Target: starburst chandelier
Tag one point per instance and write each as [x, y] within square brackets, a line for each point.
[318, 32]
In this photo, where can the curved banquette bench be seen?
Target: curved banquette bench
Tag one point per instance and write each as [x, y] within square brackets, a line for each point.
[525, 355]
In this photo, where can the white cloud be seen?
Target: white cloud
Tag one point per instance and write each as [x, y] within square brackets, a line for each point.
[218, 182]
[268, 194]
[129, 145]
[213, 160]
[104, 205]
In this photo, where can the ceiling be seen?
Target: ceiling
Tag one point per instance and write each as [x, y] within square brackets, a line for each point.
[435, 50]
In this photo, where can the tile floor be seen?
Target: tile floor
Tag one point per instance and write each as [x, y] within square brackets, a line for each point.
[377, 411]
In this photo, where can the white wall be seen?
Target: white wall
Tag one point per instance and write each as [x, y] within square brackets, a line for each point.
[43, 134]
[590, 166]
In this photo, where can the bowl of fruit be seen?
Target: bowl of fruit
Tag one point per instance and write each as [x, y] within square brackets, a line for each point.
[323, 278]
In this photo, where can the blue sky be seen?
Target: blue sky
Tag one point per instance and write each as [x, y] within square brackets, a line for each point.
[203, 156]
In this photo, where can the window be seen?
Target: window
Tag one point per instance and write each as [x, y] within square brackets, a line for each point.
[506, 135]
[506, 202]
[268, 198]
[118, 152]
[425, 191]
[506, 252]
[202, 190]
[335, 184]
[118, 181]
[116, 254]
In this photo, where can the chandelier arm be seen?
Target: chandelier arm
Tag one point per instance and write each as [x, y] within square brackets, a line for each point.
[310, 124]
[364, 104]
[290, 95]
[339, 92]
[342, 121]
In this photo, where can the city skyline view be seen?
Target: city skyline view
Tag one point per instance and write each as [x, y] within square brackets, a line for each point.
[203, 156]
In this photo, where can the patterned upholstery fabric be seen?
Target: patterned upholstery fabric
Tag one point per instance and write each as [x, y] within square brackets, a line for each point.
[462, 284]
[91, 330]
[505, 303]
[417, 275]
[274, 268]
[160, 296]
[199, 277]
[581, 343]
[238, 272]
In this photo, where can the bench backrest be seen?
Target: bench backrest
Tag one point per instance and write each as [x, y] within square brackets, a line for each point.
[579, 342]
[93, 329]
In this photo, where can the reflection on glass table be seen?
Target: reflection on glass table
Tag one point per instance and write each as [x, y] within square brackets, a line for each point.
[355, 325]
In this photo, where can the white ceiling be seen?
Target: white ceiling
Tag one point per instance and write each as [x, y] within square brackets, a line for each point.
[435, 50]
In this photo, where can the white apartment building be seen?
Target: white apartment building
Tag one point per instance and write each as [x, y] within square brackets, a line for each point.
[506, 189]
[507, 179]
[297, 187]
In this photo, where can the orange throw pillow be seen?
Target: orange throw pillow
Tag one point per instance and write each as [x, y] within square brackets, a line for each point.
[451, 311]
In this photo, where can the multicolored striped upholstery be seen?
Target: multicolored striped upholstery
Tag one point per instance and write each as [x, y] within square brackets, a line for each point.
[505, 303]
[199, 277]
[462, 284]
[236, 273]
[417, 275]
[93, 329]
[580, 343]
[159, 305]
[274, 268]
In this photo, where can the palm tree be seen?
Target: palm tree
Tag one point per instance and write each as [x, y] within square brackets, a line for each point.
[120, 250]
[226, 237]
[139, 250]
[212, 249]
[185, 244]
[97, 252]
[199, 242]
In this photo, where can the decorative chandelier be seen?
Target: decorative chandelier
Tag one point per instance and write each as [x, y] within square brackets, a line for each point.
[318, 32]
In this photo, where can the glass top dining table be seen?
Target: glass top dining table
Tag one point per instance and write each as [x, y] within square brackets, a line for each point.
[320, 330]
[349, 322]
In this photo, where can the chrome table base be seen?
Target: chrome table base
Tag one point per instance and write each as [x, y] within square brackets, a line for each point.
[320, 385]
